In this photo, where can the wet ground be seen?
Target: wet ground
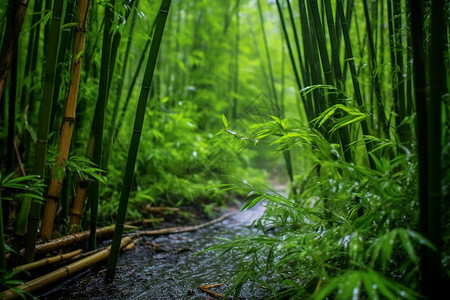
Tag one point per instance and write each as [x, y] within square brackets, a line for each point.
[167, 267]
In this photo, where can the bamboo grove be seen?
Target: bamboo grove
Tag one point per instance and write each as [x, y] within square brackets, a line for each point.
[347, 101]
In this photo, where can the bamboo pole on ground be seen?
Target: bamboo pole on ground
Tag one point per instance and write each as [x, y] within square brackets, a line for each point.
[134, 144]
[54, 189]
[62, 273]
[72, 239]
[47, 261]
[184, 228]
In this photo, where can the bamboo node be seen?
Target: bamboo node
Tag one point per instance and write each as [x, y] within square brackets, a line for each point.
[69, 119]
[164, 11]
[54, 198]
[67, 270]
[75, 214]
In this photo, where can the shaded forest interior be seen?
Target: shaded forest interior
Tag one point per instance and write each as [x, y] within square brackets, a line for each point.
[120, 113]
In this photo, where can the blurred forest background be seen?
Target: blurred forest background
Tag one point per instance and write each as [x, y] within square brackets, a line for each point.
[343, 103]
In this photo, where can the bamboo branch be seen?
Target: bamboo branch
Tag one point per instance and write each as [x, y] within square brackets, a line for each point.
[183, 229]
[206, 289]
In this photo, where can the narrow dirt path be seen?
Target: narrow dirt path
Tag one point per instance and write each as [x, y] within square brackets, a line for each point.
[166, 267]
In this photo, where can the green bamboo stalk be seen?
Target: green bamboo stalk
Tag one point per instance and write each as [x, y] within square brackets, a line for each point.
[99, 117]
[2, 239]
[258, 54]
[382, 122]
[44, 122]
[433, 284]
[236, 64]
[297, 42]
[351, 63]
[269, 61]
[291, 56]
[134, 144]
[343, 132]
[420, 99]
[130, 90]
[31, 61]
[312, 59]
[62, 58]
[109, 138]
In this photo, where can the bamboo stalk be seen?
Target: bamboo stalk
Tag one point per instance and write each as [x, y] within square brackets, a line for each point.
[269, 61]
[12, 45]
[112, 126]
[312, 59]
[134, 144]
[130, 91]
[2, 239]
[54, 189]
[382, 122]
[433, 285]
[99, 117]
[161, 209]
[44, 123]
[351, 63]
[47, 261]
[62, 273]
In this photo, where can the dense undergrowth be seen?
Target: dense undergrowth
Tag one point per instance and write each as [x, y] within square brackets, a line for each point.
[341, 229]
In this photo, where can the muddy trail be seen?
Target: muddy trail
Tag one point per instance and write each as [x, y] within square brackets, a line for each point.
[168, 267]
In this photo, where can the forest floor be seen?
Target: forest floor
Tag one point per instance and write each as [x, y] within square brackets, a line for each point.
[168, 267]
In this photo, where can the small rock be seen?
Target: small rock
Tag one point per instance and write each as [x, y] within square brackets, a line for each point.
[190, 292]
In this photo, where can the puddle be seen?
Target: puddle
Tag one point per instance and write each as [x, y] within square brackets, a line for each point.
[166, 267]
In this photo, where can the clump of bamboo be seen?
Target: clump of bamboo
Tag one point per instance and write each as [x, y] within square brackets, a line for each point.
[67, 124]
[42, 135]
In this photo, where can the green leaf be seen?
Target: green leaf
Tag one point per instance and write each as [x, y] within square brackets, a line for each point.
[225, 122]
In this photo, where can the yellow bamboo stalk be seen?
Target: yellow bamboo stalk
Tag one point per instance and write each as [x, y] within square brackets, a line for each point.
[76, 211]
[55, 186]
[47, 261]
[61, 273]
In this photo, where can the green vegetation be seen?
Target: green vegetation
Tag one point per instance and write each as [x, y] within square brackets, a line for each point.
[351, 95]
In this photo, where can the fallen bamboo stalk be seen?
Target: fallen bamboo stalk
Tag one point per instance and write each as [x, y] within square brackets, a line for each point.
[61, 273]
[160, 209]
[144, 222]
[72, 239]
[183, 229]
[47, 261]
[86, 254]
